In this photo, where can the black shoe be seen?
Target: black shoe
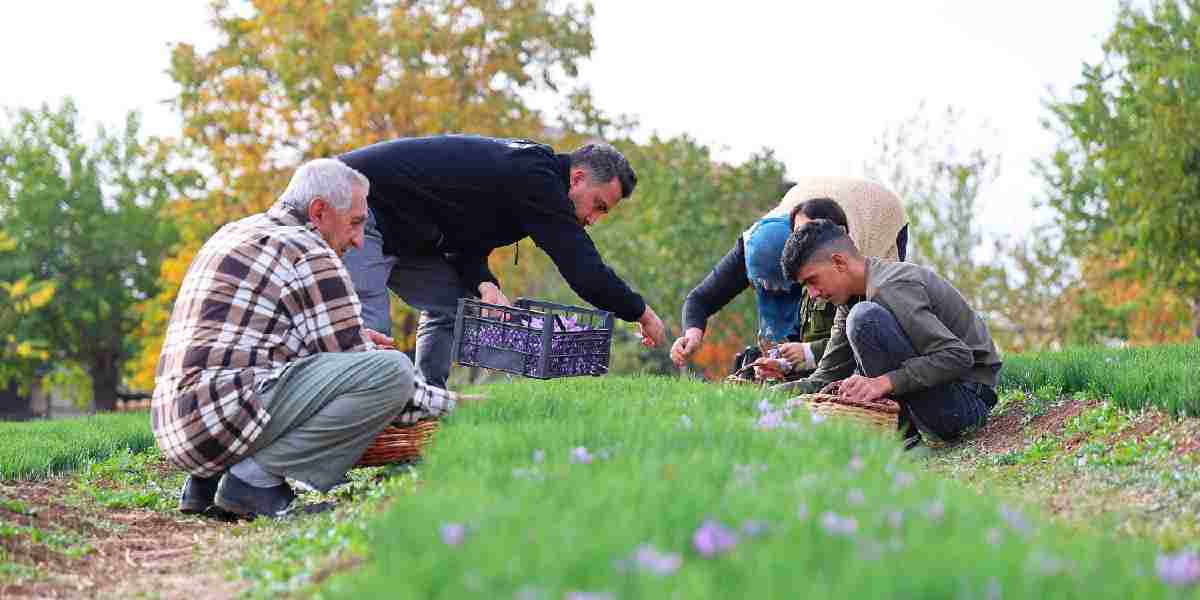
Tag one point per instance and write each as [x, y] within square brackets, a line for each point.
[242, 499]
[197, 495]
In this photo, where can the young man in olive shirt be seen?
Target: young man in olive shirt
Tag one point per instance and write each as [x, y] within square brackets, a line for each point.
[910, 334]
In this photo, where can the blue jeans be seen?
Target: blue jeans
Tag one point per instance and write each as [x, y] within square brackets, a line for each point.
[427, 282]
[944, 412]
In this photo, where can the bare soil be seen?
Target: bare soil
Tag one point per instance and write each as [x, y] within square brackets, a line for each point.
[129, 552]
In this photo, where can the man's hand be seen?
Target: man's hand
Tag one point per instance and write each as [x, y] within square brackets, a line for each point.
[833, 388]
[488, 292]
[768, 369]
[686, 346]
[857, 388]
[379, 339]
[651, 329]
[797, 353]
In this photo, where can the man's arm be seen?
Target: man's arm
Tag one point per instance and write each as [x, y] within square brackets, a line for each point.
[545, 215]
[472, 269]
[324, 307]
[836, 364]
[941, 356]
[726, 280]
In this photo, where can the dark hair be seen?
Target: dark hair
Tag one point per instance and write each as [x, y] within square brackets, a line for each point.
[811, 242]
[605, 162]
[819, 208]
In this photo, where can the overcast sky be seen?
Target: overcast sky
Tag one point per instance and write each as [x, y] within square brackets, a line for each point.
[815, 81]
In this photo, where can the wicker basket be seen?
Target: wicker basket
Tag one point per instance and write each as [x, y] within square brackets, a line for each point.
[399, 444]
[882, 414]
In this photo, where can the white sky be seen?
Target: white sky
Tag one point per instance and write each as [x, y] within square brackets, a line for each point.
[815, 80]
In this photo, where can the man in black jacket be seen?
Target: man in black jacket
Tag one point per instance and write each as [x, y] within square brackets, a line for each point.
[440, 205]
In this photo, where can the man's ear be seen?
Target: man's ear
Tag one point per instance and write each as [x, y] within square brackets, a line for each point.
[317, 209]
[840, 262]
[577, 176]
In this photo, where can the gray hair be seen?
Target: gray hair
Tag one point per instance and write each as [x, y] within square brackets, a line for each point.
[326, 178]
[604, 163]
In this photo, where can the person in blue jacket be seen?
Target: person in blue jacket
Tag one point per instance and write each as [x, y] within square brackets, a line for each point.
[439, 205]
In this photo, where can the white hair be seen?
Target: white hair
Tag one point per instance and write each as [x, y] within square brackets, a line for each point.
[326, 178]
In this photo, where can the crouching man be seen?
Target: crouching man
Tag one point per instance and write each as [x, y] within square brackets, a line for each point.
[267, 371]
[909, 333]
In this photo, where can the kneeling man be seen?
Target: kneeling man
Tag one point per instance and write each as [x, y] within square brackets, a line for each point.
[267, 371]
[910, 334]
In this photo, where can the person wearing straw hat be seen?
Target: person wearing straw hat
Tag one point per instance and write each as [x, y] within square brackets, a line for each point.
[267, 371]
[871, 213]
[911, 335]
[440, 205]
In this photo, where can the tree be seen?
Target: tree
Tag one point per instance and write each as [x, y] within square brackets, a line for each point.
[291, 80]
[83, 213]
[938, 163]
[1125, 178]
[20, 355]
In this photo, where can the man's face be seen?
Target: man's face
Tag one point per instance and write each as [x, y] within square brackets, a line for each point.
[341, 228]
[826, 280]
[592, 200]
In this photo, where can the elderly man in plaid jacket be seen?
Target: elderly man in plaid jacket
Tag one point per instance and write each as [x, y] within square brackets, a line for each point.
[267, 371]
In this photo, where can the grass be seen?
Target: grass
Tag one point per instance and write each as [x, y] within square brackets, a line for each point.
[38, 449]
[823, 510]
[1166, 377]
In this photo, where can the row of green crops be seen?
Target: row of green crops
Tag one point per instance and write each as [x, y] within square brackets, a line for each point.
[665, 488]
[43, 448]
[1166, 377]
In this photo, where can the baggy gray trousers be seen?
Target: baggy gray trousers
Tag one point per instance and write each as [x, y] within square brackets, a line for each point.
[326, 409]
[427, 282]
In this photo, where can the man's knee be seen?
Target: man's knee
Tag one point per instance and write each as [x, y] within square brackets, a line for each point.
[393, 371]
[864, 318]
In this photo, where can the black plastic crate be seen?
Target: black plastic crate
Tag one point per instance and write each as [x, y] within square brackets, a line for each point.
[532, 338]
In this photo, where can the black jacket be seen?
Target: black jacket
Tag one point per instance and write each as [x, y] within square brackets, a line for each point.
[464, 196]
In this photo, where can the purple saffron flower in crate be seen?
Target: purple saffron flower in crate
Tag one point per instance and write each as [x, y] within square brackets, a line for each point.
[453, 534]
[713, 538]
[1179, 570]
[580, 455]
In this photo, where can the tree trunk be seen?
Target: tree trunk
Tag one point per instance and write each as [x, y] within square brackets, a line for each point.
[1196, 317]
[105, 377]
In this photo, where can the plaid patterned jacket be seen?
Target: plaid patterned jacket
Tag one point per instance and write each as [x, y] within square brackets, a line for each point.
[264, 291]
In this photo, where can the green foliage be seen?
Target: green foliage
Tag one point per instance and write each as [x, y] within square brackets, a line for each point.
[1166, 377]
[84, 213]
[38, 449]
[1126, 175]
[544, 529]
[130, 480]
[1020, 290]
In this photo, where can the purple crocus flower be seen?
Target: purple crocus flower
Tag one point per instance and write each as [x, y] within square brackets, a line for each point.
[895, 518]
[856, 464]
[650, 560]
[834, 524]
[1182, 569]
[935, 511]
[539, 456]
[994, 537]
[903, 480]
[453, 534]
[580, 455]
[770, 420]
[764, 406]
[755, 528]
[1015, 520]
[713, 538]
[685, 421]
[802, 511]
[590, 596]
[856, 497]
